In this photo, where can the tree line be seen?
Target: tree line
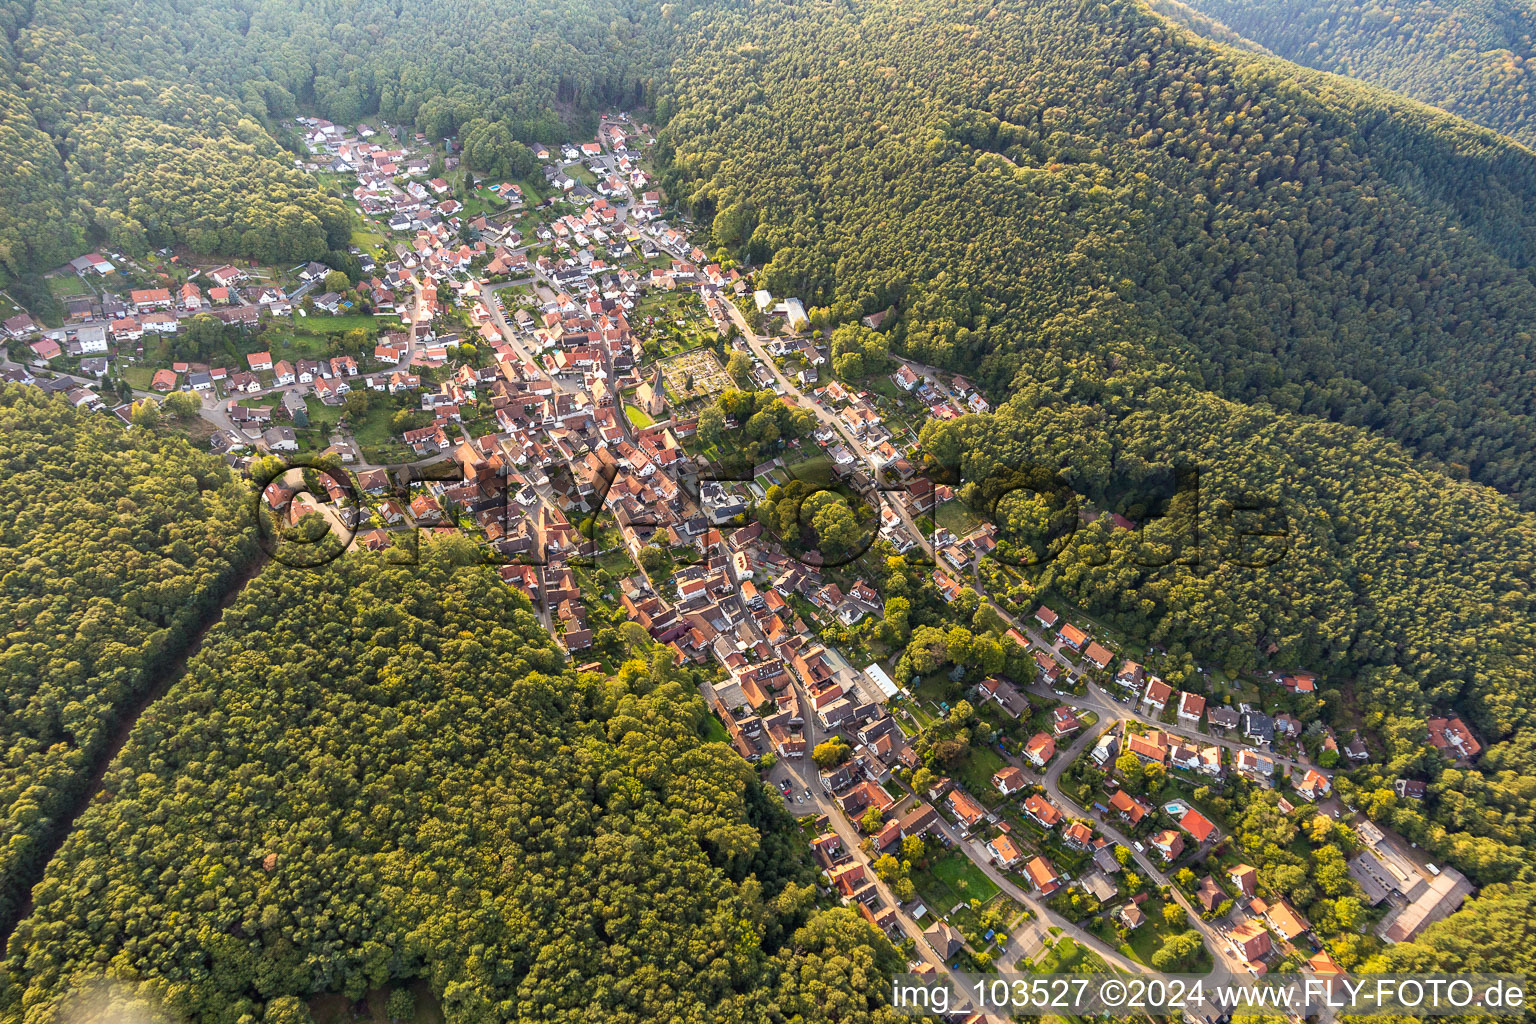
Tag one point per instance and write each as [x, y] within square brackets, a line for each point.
[372, 774]
[115, 547]
[1470, 57]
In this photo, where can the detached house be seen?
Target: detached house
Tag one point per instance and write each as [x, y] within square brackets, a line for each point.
[1004, 851]
[1064, 722]
[1073, 637]
[1128, 807]
[967, 811]
[1044, 813]
[1009, 781]
[1151, 748]
[1040, 749]
[1130, 675]
[1157, 695]
[1042, 875]
[1251, 942]
[1097, 656]
[1168, 843]
[1314, 785]
[1452, 738]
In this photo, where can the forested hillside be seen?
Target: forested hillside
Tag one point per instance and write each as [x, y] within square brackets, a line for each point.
[165, 113]
[1031, 175]
[114, 548]
[374, 774]
[1409, 589]
[36, 229]
[1471, 57]
[1160, 253]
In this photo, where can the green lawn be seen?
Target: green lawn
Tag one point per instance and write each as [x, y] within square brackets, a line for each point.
[377, 438]
[138, 377]
[956, 518]
[816, 471]
[365, 239]
[638, 416]
[348, 321]
[714, 731]
[976, 772]
[953, 879]
[1141, 944]
[65, 285]
[322, 416]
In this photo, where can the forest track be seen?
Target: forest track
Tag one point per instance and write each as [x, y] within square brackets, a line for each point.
[53, 839]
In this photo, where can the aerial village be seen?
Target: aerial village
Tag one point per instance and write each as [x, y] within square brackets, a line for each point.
[547, 368]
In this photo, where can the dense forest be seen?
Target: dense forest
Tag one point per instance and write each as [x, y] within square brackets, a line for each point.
[1162, 254]
[114, 548]
[155, 123]
[1470, 57]
[1307, 543]
[1274, 235]
[1148, 251]
[374, 774]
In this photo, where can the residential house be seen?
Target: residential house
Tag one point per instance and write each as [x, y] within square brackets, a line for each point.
[1040, 749]
[1210, 894]
[1130, 675]
[1072, 637]
[1097, 656]
[1128, 807]
[921, 820]
[1044, 813]
[1157, 695]
[1151, 748]
[1251, 942]
[1168, 843]
[945, 939]
[1042, 875]
[1004, 851]
[145, 299]
[1314, 785]
[1222, 718]
[1191, 706]
[1452, 738]
[1285, 920]
[1197, 825]
[1009, 781]
[1064, 722]
[967, 811]
[1255, 765]
[1258, 727]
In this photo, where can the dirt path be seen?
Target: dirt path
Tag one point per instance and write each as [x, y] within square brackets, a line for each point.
[54, 839]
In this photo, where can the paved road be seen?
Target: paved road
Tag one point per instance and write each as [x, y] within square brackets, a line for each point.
[1109, 709]
[977, 851]
[1221, 953]
[755, 342]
